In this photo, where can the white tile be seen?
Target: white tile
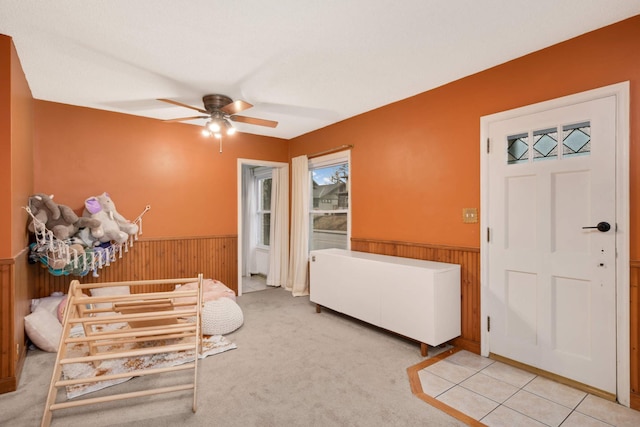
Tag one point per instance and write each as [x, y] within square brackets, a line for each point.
[538, 408]
[508, 374]
[450, 371]
[433, 385]
[609, 412]
[576, 419]
[468, 402]
[470, 360]
[506, 417]
[556, 392]
[487, 386]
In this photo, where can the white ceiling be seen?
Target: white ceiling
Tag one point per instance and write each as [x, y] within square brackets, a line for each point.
[304, 63]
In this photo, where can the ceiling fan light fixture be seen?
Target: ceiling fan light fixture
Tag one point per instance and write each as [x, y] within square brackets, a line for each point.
[230, 129]
[213, 126]
[220, 110]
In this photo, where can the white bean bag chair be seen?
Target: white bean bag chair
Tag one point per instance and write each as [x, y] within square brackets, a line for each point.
[221, 316]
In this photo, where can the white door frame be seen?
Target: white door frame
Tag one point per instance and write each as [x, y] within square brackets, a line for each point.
[248, 162]
[621, 92]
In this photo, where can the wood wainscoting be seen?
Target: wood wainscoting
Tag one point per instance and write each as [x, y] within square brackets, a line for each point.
[634, 319]
[8, 378]
[469, 261]
[216, 257]
[15, 303]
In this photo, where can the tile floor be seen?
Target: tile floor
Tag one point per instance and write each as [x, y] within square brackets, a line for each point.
[253, 283]
[497, 394]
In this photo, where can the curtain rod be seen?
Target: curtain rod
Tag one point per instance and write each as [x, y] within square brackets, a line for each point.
[331, 150]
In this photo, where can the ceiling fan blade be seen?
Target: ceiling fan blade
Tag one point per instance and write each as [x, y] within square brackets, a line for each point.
[182, 119]
[254, 121]
[236, 106]
[180, 104]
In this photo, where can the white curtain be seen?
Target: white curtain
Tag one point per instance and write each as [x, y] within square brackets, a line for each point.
[299, 247]
[248, 206]
[279, 228]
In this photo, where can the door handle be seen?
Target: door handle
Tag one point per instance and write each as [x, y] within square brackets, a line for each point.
[602, 226]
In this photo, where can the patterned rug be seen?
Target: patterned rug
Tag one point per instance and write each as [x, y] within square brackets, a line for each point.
[211, 345]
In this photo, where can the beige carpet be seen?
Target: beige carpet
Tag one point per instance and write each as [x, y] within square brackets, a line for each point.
[292, 367]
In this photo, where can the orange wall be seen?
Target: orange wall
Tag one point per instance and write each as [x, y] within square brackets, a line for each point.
[191, 187]
[16, 150]
[21, 152]
[5, 146]
[416, 163]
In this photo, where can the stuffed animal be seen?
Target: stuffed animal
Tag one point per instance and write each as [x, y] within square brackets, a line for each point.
[114, 226]
[58, 261]
[44, 209]
[86, 237]
[60, 219]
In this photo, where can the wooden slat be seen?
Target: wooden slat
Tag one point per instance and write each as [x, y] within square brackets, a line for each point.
[122, 396]
[131, 353]
[129, 374]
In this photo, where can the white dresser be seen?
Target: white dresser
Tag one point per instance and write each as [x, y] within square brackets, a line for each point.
[414, 298]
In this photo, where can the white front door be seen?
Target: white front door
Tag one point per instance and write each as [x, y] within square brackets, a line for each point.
[551, 273]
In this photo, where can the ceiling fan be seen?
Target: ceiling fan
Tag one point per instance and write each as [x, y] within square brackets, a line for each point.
[221, 111]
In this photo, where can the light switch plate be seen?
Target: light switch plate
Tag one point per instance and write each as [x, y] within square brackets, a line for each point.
[469, 215]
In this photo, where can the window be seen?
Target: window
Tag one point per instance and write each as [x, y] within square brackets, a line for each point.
[329, 220]
[576, 141]
[263, 206]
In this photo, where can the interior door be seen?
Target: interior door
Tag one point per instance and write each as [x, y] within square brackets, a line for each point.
[551, 251]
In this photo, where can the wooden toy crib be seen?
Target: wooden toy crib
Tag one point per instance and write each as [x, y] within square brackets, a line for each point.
[116, 316]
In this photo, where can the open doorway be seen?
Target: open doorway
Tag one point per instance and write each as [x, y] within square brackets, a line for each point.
[255, 219]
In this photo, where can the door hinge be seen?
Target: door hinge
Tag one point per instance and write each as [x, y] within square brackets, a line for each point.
[488, 145]
[488, 234]
[488, 324]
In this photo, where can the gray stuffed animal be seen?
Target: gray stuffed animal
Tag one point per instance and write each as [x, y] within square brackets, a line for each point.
[114, 226]
[60, 219]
